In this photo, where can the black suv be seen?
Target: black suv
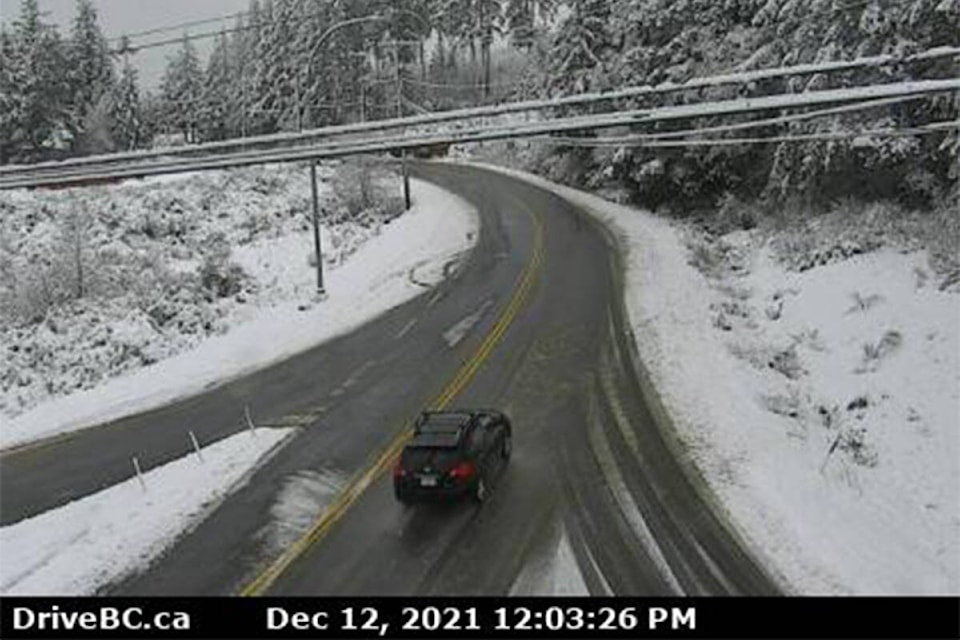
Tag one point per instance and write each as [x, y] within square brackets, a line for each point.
[453, 454]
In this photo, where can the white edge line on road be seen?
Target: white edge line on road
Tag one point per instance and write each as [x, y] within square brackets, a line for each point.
[406, 328]
[607, 589]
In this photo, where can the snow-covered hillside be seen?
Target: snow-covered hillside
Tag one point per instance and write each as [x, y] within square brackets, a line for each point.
[817, 389]
[222, 285]
[100, 281]
[846, 425]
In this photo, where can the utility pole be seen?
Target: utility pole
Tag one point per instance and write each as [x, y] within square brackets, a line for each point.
[316, 227]
[403, 152]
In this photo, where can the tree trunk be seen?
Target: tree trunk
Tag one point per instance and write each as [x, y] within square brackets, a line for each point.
[486, 72]
[440, 52]
[486, 63]
[423, 62]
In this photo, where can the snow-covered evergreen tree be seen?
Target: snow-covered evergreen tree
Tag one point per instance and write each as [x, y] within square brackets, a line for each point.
[217, 96]
[7, 99]
[580, 46]
[245, 47]
[489, 24]
[38, 106]
[263, 105]
[519, 22]
[182, 92]
[126, 114]
[279, 76]
[91, 71]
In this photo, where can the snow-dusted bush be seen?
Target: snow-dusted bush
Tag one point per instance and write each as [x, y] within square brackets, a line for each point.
[218, 275]
[97, 281]
[366, 193]
[851, 228]
[733, 214]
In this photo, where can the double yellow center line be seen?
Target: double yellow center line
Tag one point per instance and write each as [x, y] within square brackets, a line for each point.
[366, 477]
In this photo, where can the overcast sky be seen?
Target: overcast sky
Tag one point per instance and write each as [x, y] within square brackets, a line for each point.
[119, 17]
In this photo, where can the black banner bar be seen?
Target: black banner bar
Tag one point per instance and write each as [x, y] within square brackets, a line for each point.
[876, 618]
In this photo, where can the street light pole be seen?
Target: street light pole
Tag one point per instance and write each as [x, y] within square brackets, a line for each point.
[316, 226]
[403, 152]
[318, 251]
[313, 163]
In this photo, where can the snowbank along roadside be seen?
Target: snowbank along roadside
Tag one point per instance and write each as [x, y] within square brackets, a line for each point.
[820, 407]
[92, 542]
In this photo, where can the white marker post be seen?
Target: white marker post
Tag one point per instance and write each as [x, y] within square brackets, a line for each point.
[196, 445]
[136, 467]
[250, 425]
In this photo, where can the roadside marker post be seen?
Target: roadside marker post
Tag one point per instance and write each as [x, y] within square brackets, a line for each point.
[136, 467]
[196, 445]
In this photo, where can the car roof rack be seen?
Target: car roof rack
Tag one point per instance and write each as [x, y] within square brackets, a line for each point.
[457, 422]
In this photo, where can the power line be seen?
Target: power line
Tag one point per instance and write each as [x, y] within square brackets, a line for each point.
[174, 163]
[187, 37]
[210, 34]
[178, 26]
[453, 85]
[876, 91]
[619, 141]
[933, 127]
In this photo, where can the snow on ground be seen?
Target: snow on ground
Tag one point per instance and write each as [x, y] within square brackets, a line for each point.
[89, 543]
[370, 274]
[553, 575]
[821, 407]
[96, 282]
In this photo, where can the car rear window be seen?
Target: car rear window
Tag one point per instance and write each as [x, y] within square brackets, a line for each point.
[415, 456]
[444, 421]
[442, 439]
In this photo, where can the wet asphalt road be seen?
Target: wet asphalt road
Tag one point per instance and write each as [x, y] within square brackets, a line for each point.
[549, 347]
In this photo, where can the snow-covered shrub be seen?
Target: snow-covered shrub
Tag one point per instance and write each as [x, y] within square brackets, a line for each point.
[653, 183]
[787, 363]
[733, 214]
[98, 281]
[367, 193]
[874, 354]
[863, 303]
[706, 257]
[218, 275]
[816, 238]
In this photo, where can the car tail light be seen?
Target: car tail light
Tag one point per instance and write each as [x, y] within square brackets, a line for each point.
[463, 471]
[399, 471]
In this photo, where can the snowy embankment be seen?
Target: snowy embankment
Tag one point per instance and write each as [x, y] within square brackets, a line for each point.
[821, 406]
[89, 543]
[369, 269]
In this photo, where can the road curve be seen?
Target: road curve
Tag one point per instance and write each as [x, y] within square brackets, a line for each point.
[588, 458]
[545, 341]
